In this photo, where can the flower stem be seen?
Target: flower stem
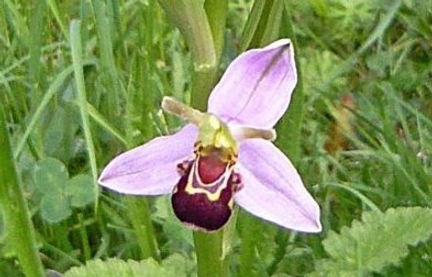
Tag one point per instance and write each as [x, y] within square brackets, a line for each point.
[204, 36]
[191, 19]
[16, 215]
[209, 251]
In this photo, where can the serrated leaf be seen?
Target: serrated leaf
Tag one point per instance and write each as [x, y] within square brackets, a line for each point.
[377, 241]
[117, 268]
[81, 191]
[174, 266]
[179, 265]
[49, 176]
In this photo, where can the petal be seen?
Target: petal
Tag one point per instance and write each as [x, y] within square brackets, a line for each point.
[150, 169]
[256, 88]
[273, 189]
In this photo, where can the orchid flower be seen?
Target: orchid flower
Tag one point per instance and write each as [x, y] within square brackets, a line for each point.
[226, 156]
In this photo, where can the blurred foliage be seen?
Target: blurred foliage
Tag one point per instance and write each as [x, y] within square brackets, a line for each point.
[387, 163]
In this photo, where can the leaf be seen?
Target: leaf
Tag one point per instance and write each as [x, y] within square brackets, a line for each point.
[59, 134]
[175, 265]
[49, 176]
[179, 265]
[376, 242]
[55, 208]
[81, 191]
[58, 192]
[117, 268]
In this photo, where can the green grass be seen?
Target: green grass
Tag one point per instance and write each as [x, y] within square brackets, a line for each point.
[81, 94]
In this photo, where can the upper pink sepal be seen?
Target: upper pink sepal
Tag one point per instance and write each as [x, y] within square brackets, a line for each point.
[257, 86]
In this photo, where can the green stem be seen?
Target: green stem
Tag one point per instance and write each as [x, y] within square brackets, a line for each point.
[208, 246]
[205, 40]
[203, 82]
[191, 19]
[209, 251]
[16, 215]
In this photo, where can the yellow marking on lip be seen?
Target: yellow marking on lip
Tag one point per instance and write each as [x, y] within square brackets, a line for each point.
[190, 189]
[231, 203]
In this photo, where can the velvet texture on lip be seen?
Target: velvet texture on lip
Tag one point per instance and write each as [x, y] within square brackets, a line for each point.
[225, 156]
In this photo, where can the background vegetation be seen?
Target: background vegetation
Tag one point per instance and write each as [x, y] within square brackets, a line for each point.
[365, 142]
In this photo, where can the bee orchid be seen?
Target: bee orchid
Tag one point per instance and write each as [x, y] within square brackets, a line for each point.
[225, 156]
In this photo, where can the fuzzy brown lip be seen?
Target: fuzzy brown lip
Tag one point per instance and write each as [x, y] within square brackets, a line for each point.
[198, 209]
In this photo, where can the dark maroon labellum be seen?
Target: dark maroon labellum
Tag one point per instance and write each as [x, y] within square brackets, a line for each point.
[203, 197]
